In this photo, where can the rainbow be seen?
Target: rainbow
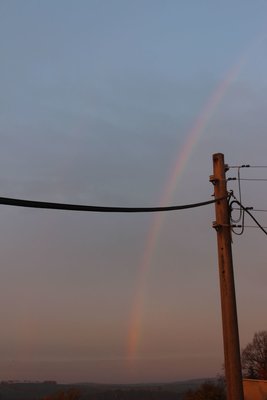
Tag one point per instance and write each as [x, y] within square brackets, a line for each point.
[192, 138]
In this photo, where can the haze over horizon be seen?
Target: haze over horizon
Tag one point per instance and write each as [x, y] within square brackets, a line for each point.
[98, 100]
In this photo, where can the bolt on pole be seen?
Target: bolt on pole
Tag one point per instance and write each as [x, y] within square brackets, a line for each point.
[233, 372]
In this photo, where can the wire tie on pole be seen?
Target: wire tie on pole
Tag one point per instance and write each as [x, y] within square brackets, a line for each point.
[213, 180]
[216, 226]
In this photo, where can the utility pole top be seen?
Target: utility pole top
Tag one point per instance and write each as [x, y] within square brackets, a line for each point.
[233, 373]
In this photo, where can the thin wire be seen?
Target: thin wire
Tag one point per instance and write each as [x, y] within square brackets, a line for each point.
[258, 166]
[241, 226]
[77, 207]
[241, 212]
[250, 226]
[253, 179]
[251, 209]
[239, 166]
[249, 213]
[247, 166]
[247, 179]
[242, 209]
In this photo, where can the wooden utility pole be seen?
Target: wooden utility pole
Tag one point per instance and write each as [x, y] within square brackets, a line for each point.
[233, 372]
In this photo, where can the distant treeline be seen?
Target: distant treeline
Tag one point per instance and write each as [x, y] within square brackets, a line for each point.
[14, 382]
[50, 390]
[135, 394]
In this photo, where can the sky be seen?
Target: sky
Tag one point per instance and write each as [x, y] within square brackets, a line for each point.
[123, 103]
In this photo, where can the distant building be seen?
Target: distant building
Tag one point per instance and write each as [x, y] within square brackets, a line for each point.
[255, 389]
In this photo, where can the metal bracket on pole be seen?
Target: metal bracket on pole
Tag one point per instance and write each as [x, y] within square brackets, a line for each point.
[216, 226]
[213, 180]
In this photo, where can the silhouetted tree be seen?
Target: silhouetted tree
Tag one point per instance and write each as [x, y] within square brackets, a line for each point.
[71, 394]
[254, 357]
[207, 391]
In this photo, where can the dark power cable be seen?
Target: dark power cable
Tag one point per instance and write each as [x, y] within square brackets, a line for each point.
[249, 213]
[76, 207]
